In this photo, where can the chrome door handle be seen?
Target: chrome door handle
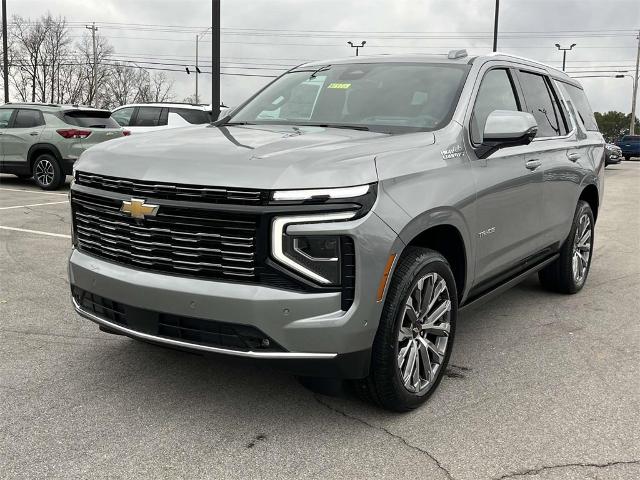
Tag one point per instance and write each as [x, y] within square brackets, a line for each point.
[533, 164]
[574, 156]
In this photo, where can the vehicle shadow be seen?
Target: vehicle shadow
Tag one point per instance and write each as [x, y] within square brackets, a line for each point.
[248, 388]
[11, 181]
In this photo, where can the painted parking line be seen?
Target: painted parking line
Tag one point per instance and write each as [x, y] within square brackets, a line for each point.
[37, 192]
[33, 205]
[37, 232]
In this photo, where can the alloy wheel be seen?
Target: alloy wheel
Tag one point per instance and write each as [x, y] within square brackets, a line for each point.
[424, 333]
[44, 172]
[582, 248]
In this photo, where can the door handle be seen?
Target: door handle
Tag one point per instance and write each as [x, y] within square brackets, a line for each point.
[573, 156]
[533, 164]
[33, 134]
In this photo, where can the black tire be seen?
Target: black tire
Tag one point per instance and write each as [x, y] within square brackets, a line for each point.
[384, 385]
[627, 158]
[559, 276]
[47, 172]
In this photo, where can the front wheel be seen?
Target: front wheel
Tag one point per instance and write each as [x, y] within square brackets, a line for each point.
[569, 272]
[415, 336]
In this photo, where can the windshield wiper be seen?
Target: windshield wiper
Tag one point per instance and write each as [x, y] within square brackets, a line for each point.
[335, 125]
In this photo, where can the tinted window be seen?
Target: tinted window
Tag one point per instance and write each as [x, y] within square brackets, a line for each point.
[90, 119]
[28, 119]
[123, 116]
[387, 97]
[495, 93]
[5, 116]
[147, 117]
[541, 105]
[581, 103]
[631, 138]
[192, 116]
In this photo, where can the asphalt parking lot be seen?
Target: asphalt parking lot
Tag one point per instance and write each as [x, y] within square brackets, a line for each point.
[540, 386]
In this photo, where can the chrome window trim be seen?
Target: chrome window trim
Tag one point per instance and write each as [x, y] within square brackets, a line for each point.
[196, 346]
[278, 227]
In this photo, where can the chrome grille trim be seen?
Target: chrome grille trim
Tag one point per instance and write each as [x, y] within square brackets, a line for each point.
[169, 191]
[179, 240]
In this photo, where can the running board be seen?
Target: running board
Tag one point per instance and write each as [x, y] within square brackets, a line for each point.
[497, 290]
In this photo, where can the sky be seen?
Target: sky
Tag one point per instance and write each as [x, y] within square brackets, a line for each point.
[261, 38]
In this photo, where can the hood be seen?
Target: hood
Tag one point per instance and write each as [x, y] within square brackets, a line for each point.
[261, 157]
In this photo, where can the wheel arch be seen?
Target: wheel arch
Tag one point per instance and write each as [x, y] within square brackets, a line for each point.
[38, 149]
[451, 240]
[591, 195]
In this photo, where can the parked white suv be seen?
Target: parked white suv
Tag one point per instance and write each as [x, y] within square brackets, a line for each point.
[147, 117]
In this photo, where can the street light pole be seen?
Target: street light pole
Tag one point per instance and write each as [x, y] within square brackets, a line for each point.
[215, 58]
[495, 26]
[564, 53]
[5, 54]
[632, 127]
[357, 47]
[197, 71]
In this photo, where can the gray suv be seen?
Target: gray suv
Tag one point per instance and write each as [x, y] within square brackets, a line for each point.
[337, 222]
[43, 141]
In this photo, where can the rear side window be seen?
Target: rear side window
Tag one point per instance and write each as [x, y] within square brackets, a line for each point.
[581, 103]
[541, 104]
[5, 116]
[631, 138]
[147, 117]
[192, 116]
[90, 119]
[495, 93]
[28, 119]
[123, 116]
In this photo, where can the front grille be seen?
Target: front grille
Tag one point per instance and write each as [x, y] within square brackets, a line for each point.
[184, 241]
[213, 333]
[173, 191]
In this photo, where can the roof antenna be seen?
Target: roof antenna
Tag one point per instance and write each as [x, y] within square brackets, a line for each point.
[455, 54]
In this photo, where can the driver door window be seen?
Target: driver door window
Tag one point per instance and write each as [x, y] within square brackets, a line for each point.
[495, 93]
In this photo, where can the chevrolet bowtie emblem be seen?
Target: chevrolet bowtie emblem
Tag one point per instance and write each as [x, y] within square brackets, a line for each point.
[138, 209]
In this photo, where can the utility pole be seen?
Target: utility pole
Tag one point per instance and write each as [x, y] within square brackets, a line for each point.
[357, 47]
[94, 29]
[495, 26]
[215, 59]
[564, 53]
[632, 128]
[5, 54]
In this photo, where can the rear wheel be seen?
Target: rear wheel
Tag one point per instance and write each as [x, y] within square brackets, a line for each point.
[569, 272]
[415, 336]
[47, 172]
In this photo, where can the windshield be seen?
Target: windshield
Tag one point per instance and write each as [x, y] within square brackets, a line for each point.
[389, 97]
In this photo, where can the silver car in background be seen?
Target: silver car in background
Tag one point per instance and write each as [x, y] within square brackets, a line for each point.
[337, 222]
[43, 140]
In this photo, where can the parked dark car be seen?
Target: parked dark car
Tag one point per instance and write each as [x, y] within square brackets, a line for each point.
[630, 146]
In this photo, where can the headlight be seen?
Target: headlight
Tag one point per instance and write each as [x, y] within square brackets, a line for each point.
[321, 193]
[317, 257]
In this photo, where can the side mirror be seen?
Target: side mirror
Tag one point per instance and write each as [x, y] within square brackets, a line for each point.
[506, 128]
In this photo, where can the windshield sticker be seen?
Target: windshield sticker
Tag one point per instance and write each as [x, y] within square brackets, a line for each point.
[339, 86]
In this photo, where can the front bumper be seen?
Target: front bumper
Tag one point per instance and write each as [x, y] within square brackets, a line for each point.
[310, 327]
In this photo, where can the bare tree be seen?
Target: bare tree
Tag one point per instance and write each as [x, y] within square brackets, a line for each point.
[124, 85]
[95, 88]
[55, 52]
[157, 88]
[29, 38]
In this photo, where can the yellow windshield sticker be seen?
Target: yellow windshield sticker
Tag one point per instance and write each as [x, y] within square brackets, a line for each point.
[339, 86]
